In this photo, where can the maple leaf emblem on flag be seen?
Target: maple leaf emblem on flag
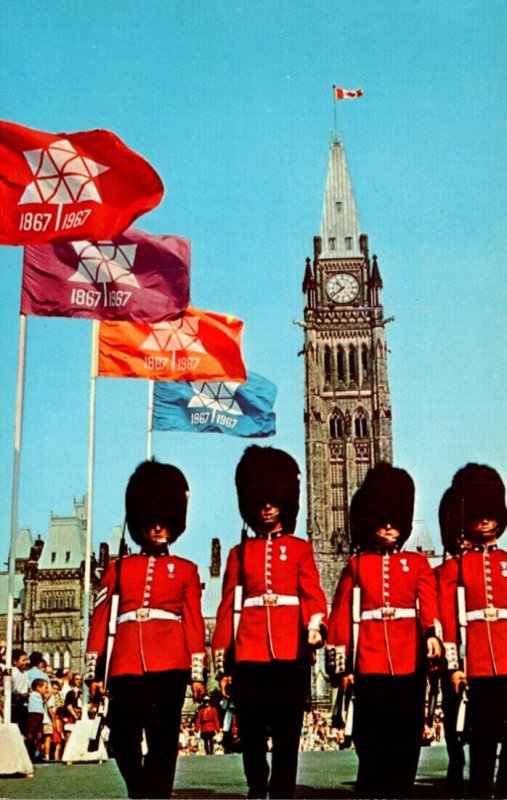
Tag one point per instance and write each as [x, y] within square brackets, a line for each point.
[61, 175]
[105, 262]
[182, 334]
[217, 396]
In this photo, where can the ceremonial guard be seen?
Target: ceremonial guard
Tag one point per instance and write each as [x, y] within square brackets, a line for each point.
[272, 613]
[473, 600]
[382, 629]
[159, 646]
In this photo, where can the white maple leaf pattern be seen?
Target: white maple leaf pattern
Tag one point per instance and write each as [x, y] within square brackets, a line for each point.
[61, 175]
[105, 262]
[216, 395]
[177, 335]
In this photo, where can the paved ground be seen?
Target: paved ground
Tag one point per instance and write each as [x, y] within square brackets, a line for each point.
[321, 775]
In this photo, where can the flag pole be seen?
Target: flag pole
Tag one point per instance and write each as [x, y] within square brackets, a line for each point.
[335, 114]
[89, 499]
[18, 429]
[149, 424]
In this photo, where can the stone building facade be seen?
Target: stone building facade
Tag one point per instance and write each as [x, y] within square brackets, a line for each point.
[347, 403]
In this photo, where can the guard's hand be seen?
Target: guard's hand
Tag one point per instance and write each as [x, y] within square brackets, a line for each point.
[458, 680]
[434, 651]
[198, 690]
[315, 638]
[347, 680]
[225, 684]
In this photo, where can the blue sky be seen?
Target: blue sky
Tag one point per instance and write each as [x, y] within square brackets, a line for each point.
[231, 102]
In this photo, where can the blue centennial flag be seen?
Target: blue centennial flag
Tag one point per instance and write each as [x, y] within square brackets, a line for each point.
[240, 409]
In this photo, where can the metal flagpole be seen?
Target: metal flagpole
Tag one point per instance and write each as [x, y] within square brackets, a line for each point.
[89, 499]
[335, 114]
[18, 429]
[149, 423]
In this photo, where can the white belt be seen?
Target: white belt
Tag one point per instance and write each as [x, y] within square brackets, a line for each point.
[272, 600]
[388, 613]
[143, 614]
[487, 614]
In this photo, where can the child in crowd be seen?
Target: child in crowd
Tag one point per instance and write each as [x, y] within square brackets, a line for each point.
[56, 709]
[36, 701]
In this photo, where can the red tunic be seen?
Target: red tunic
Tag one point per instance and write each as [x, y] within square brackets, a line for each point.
[398, 590]
[163, 583]
[207, 720]
[281, 566]
[484, 576]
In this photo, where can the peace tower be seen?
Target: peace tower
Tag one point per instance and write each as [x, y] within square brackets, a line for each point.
[347, 403]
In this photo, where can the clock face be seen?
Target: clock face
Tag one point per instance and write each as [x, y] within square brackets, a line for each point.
[342, 287]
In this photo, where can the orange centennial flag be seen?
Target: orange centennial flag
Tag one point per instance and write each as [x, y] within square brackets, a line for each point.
[199, 345]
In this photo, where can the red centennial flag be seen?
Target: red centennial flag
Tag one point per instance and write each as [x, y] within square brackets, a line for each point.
[85, 185]
[138, 276]
[346, 94]
[200, 345]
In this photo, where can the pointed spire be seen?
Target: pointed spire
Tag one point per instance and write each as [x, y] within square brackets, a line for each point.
[340, 229]
[376, 280]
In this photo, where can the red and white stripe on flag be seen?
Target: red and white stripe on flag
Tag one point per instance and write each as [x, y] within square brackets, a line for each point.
[346, 94]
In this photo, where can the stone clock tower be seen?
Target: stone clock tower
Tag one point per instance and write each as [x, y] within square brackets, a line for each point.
[347, 404]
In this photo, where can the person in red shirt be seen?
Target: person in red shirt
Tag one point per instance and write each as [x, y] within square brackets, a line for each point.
[382, 627]
[207, 724]
[473, 601]
[272, 613]
[159, 645]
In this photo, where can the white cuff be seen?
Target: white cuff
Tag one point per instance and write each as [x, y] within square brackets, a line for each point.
[451, 654]
[315, 622]
[197, 673]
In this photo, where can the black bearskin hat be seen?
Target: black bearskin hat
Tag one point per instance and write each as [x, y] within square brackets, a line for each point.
[386, 496]
[265, 474]
[477, 492]
[157, 494]
[449, 517]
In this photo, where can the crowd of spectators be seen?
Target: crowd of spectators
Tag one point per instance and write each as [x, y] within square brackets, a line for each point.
[45, 703]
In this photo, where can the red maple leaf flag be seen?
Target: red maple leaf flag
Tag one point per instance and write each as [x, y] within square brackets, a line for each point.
[138, 277]
[85, 185]
[199, 345]
[346, 94]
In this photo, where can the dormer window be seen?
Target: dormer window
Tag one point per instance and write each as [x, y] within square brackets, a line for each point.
[339, 206]
[67, 556]
[348, 243]
[53, 557]
[332, 243]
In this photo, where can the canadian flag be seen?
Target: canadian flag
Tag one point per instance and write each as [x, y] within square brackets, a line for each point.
[60, 187]
[346, 94]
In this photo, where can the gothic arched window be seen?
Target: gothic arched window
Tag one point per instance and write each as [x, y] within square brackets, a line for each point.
[327, 364]
[361, 425]
[352, 363]
[336, 424]
[365, 362]
[340, 363]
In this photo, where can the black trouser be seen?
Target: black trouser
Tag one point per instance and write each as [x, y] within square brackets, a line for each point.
[487, 724]
[151, 702]
[387, 733]
[455, 752]
[270, 699]
[208, 738]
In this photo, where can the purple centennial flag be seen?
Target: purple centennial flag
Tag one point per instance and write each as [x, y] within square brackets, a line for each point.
[138, 277]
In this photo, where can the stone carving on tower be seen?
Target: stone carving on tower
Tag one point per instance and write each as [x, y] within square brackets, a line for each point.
[347, 403]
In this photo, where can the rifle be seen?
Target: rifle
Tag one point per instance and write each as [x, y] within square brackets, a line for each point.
[463, 691]
[103, 707]
[434, 682]
[349, 694]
